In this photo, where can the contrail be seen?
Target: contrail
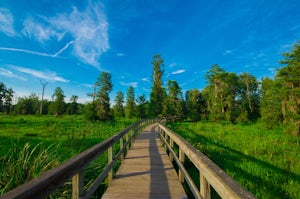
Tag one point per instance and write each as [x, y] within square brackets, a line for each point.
[38, 53]
[64, 48]
[27, 51]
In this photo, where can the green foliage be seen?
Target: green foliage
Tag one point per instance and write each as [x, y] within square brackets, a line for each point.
[265, 162]
[20, 166]
[130, 103]
[118, 107]
[57, 107]
[104, 85]
[158, 93]
[195, 104]
[28, 105]
[6, 96]
[30, 145]
[173, 104]
[142, 107]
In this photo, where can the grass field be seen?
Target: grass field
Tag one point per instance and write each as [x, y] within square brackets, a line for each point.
[30, 145]
[265, 162]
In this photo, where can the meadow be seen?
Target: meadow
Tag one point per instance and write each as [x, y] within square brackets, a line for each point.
[265, 162]
[30, 145]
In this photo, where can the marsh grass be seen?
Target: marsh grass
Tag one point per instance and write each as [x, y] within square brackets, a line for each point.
[30, 145]
[266, 162]
[20, 166]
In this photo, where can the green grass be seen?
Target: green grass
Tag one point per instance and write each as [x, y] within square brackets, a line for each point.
[30, 145]
[265, 162]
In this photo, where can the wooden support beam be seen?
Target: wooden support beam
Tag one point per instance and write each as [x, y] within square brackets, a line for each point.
[77, 185]
[121, 147]
[181, 159]
[110, 158]
[204, 187]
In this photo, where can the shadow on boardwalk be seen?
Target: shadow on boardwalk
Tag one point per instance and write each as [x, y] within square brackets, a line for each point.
[146, 172]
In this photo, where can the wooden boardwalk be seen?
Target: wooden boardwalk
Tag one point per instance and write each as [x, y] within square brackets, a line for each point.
[146, 172]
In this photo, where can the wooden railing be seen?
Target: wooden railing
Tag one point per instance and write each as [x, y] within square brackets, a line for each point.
[51, 180]
[210, 174]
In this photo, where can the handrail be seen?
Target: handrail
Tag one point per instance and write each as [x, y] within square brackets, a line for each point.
[210, 173]
[48, 182]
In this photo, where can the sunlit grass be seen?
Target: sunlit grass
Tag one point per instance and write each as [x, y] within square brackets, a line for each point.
[266, 162]
[30, 145]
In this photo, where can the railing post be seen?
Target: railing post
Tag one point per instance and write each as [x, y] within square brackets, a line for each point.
[126, 137]
[77, 185]
[121, 148]
[204, 187]
[110, 158]
[181, 159]
[172, 146]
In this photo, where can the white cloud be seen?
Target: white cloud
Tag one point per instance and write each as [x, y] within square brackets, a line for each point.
[145, 79]
[7, 22]
[40, 31]
[88, 30]
[120, 54]
[8, 73]
[88, 85]
[172, 65]
[50, 76]
[178, 72]
[227, 52]
[133, 84]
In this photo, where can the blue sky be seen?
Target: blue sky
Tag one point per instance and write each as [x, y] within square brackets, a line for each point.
[68, 43]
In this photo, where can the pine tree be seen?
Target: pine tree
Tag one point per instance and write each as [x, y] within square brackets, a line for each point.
[158, 92]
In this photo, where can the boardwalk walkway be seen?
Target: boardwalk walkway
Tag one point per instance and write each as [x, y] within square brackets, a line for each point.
[146, 171]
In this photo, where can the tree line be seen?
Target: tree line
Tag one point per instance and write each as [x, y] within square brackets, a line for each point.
[227, 97]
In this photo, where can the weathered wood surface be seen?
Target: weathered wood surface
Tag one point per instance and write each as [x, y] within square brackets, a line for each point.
[146, 172]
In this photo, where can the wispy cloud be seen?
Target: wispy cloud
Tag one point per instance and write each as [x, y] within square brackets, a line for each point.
[145, 79]
[227, 52]
[120, 54]
[178, 72]
[88, 85]
[42, 32]
[50, 76]
[7, 22]
[10, 74]
[88, 29]
[172, 65]
[133, 84]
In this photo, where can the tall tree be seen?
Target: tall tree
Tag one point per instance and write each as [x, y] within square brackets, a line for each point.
[141, 107]
[130, 103]
[173, 104]
[248, 97]
[271, 103]
[221, 93]
[118, 107]
[158, 92]
[58, 104]
[2, 95]
[73, 106]
[289, 79]
[194, 101]
[102, 102]
[8, 99]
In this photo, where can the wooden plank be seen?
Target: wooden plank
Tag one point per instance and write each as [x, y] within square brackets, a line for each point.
[146, 171]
